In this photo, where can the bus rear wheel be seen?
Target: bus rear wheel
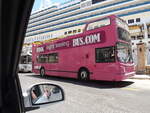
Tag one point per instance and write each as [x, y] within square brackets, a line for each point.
[83, 74]
[42, 72]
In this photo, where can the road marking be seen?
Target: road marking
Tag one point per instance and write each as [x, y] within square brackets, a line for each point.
[132, 89]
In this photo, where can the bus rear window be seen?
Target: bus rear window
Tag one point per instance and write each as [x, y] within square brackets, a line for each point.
[25, 59]
[105, 55]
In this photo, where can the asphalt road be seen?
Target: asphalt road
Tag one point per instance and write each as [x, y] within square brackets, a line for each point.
[129, 96]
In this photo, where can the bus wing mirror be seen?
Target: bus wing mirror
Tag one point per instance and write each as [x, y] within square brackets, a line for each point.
[40, 95]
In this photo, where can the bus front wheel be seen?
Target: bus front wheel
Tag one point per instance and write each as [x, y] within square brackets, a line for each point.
[42, 72]
[83, 74]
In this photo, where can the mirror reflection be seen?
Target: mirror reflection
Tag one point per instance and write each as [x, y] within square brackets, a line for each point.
[45, 93]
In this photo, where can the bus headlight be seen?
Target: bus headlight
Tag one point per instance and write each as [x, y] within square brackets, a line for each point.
[123, 70]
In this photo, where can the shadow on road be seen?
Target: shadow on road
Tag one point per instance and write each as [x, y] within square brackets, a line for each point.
[91, 83]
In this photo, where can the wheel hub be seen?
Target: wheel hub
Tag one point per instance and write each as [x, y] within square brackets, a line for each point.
[83, 74]
[42, 72]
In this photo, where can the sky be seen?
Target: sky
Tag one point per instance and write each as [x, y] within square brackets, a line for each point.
[37, 3]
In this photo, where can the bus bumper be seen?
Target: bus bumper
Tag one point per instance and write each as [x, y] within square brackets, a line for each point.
[123, 76]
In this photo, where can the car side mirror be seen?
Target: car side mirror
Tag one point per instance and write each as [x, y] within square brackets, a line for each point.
[42, 94]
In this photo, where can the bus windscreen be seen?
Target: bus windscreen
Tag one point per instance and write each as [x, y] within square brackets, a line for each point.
[123, 34]
[124, 53]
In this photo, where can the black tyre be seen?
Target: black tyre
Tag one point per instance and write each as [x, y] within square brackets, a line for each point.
[42, 72]
[84, 74]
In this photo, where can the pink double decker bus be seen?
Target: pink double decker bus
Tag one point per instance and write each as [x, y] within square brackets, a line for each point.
[101, 52]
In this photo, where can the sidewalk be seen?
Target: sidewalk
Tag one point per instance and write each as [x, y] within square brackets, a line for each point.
[141, 77]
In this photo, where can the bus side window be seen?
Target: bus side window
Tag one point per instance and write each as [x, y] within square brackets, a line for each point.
[42, 58]
[105, 55]
[53, 58]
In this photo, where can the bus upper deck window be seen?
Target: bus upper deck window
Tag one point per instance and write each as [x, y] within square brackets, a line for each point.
[98, 24]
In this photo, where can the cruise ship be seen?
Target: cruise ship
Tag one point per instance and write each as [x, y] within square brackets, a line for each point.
[69, 18]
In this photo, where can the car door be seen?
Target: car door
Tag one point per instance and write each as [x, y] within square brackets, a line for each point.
[15, 16]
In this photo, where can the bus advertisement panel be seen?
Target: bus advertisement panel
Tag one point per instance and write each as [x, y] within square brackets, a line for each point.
[101, 52]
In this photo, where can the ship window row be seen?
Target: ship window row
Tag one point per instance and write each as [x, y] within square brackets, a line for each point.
[41, 38]
[82, 23]
[83, 12]
[135, 12]
[38, 38]
[130, 21]
[67, 21]
[76, 13]
[55, 11]
[39, 18]
[43, 11]
[119, 15]
[76, 19]
[35, 14]
[139, 37]
[96, 1]
[72, 32]
[60, 28]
